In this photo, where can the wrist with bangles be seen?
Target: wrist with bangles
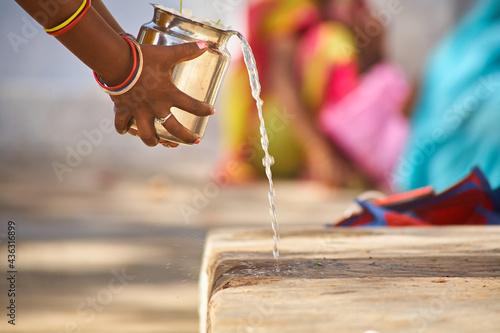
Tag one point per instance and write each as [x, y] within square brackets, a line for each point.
[138, 59]
[135, 74]
[72, 21]
[126, 34]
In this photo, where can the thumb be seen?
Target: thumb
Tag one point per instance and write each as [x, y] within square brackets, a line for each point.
[187, 51]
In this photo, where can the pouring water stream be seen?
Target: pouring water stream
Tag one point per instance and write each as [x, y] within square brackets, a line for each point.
[268, 160]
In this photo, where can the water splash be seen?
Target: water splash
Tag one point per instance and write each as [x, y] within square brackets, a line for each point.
[268, 160]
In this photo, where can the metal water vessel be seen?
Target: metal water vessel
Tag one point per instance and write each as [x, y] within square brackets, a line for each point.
[200, 78]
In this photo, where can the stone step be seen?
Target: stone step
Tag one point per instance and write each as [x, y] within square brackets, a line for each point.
[356, 280]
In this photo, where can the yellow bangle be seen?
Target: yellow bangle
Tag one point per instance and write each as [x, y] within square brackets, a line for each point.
[68, 21]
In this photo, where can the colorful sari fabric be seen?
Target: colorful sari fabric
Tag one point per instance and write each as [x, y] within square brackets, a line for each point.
[326, 72]
[455, 124]
[271, 21]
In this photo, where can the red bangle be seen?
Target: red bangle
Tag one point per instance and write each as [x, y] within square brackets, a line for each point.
[129, 78]
[75, 22]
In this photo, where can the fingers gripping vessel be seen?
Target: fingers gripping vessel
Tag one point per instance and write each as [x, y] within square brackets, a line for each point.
[200, 78]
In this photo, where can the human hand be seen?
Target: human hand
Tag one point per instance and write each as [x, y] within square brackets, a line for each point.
[154, 94]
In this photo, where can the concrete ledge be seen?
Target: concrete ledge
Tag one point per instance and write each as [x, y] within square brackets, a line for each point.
[338, 280]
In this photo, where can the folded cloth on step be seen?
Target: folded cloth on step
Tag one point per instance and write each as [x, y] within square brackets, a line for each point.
[469, 202]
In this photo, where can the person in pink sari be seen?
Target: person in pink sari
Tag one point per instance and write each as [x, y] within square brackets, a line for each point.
[332, 103]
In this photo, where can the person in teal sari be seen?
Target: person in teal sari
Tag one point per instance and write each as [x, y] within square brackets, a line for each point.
[456, 122]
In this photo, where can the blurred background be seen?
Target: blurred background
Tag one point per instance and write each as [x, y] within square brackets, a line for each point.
[126, 208]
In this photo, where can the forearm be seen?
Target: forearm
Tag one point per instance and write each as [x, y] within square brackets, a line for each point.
[89, 31]
[92, 40]
[106, 15]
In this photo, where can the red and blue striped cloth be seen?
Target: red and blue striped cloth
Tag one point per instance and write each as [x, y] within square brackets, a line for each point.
[470, 202]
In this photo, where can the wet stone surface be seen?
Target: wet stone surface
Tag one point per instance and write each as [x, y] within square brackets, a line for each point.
[387, 280]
